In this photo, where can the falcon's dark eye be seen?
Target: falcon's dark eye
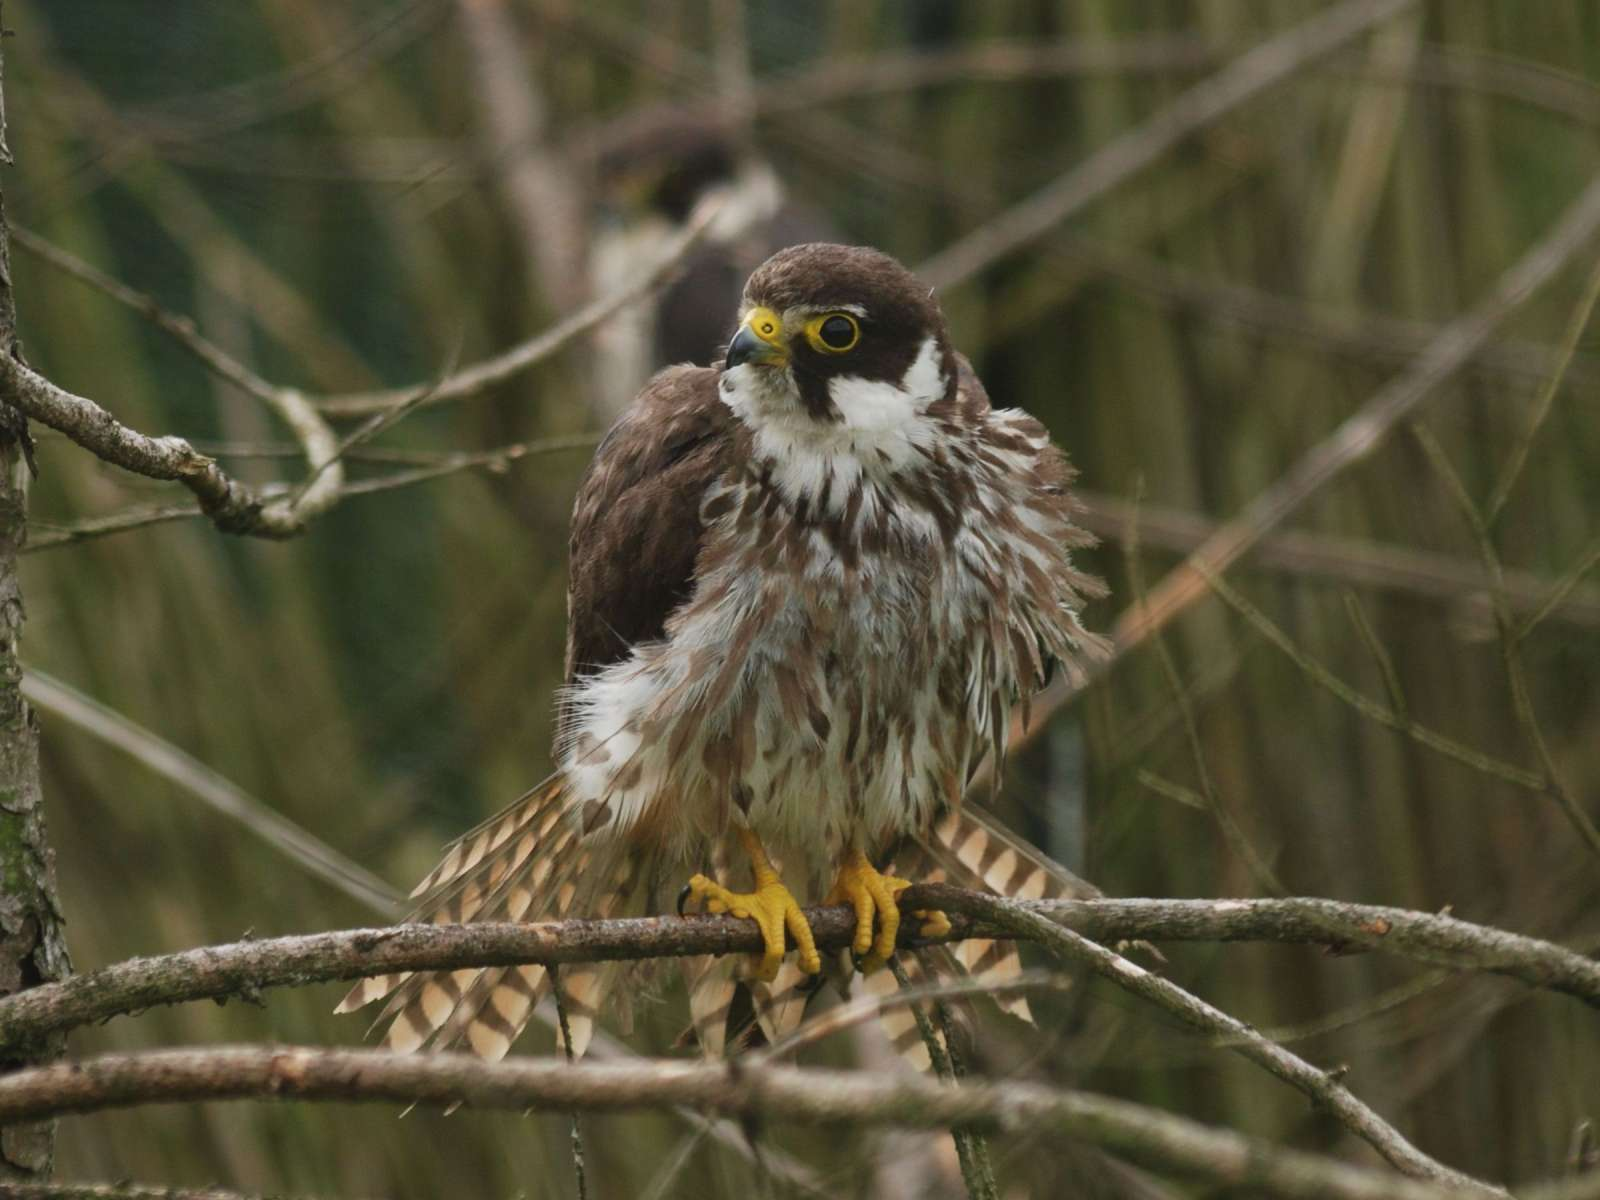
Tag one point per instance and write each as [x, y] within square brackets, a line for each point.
[833, 333]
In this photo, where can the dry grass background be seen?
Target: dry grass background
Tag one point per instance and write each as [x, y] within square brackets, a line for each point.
[386, 679]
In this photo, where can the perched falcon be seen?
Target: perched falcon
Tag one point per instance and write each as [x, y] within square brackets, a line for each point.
[807, 586]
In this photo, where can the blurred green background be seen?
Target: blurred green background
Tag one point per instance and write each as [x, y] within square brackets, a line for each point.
[346, 196]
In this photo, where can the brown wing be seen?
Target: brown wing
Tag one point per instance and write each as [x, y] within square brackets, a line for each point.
[636, 522]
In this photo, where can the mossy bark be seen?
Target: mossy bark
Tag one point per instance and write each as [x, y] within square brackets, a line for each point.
[32, 947]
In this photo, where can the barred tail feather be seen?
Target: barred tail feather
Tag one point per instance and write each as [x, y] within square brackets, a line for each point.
[525, 863]
[711, 985]
[780, 1006]
[899, 1021]
[970, 849]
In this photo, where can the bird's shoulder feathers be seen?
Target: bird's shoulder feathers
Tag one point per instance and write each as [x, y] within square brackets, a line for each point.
[636, 526]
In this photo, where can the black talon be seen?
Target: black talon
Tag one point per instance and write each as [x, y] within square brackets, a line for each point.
[683, 898]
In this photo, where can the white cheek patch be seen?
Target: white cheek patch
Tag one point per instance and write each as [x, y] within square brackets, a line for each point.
[877, 405]
[880, 424]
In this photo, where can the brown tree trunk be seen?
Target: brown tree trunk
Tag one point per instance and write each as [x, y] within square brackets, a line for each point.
[32, 948]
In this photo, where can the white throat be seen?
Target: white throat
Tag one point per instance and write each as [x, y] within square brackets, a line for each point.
[880, 425]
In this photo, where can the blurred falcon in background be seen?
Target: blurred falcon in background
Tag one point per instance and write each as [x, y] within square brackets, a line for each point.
[806, 588]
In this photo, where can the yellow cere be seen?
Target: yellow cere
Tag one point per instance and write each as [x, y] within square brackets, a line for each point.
[766, 325]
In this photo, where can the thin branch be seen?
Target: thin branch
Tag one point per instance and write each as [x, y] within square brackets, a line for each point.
[835, 80]
[1361, 433]
[325, 474]
[1232, 831]
[90, 528]
[972, 1148]
[435, 466]
[1356, 438]
[1371, 338]
[1547, 395]
[564, 1032]
[473, 381]
[122, 1191]
[1510, 644]
[181, 330]
[789, 1094]
[1348, 560]
[867, 1007]
[1322, 1087]
[234, 507]
[1365, 705]
[65, 702]
[216, 972]
[1380, 656]
[1273, 62]
[275, 513]
[1586, 562]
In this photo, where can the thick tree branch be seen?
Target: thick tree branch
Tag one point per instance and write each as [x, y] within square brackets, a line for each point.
[771, 1093]
[33, 948]
[243, 968]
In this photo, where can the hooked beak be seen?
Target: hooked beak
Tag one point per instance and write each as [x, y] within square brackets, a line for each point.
[759, 341]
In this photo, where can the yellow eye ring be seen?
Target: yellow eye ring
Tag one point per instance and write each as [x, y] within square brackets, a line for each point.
[833, 333]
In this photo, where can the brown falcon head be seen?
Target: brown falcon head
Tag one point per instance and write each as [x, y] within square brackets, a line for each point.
[843, 333]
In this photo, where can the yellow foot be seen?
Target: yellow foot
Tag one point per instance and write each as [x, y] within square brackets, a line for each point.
[771, 906]
[870, 893]
[934, 923]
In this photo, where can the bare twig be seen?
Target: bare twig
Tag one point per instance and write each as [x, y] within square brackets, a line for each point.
[1347, 445]
[86, 713]
[1380, 656]
[564, 1031]
[122, 1191]
[972, 1149]
[1323, 1088]
[832, 80]
[473, 381]
[1510, 644]
[436, 466]
[1348, 560]
[867, 1007]
[1233, 833]
[1253, 73]
[234, 507]
[1371, 338]
[1585, 562]
[773, 1093]
[319, 490]
[220, 971]
[180, 329]
[1547, 395]
[277, 512]
[1360, 434]
[1467, 755]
